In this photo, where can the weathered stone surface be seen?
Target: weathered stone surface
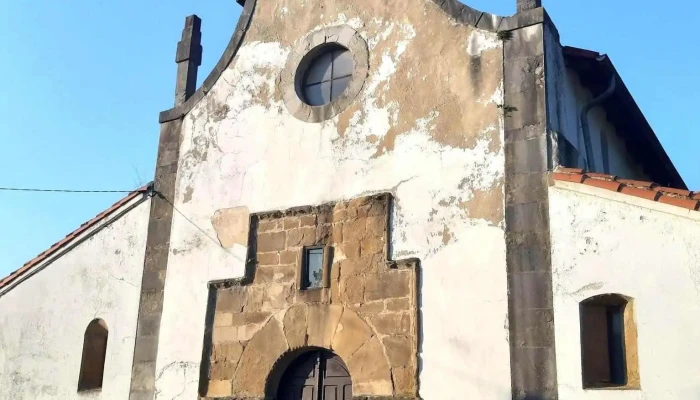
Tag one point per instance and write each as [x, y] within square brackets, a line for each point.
[352, 289]
[370, 371]
[231, 299]
[371, 308]
[230, 352]
[268, 258]
[219, 388]
[404, 381]
[225, 334]
[398, 304]
[256, 317]
[258, 358]
[376, 226]
[223, 319]
[371, 246]
[307, 220]
[254, 298]
[295, 326]
[231, 226]
[267, 225]
[290, 223]
[289, 257]
[392, 324]
[276, 274]
[222, 370]
[399, 350]
[388, 285]
[275, 296]
[354, 231]
[352, 332]
[273, 241]
[301, 237]
[322, 322]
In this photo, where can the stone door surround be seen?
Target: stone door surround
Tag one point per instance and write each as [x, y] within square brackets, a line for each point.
[367, 314]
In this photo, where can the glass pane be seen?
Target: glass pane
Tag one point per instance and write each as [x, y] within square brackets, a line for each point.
[314, 268]
[342, 63]
[319, 70]
[339, 86]
[318, 95]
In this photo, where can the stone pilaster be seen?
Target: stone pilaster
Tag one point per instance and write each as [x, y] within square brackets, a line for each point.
[523, 5]
[527, 149]
[143, 372]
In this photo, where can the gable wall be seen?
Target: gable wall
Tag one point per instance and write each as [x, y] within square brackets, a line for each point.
[426, 128]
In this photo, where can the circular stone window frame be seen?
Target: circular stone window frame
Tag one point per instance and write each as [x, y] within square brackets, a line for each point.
[305, 53]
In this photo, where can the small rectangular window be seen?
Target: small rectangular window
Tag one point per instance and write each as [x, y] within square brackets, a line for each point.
[603, 352]
[312, 271]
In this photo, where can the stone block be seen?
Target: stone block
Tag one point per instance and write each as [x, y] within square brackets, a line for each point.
[256, 317]
[219, 388]
[404, 381]
[289, 257]
[290, 223]
[231, 226]
[275, 296]
[388, 285]
[143, 375]
[340, 215]
[392, 324]
[527, 156]
[354, 231]
[225, 334]
[531, 328]
[337, 233]
[301, 237]
[222, 371]
[276, 274]
[398, 304]
[352, 288]
[268, 258]
[351, 333]
[371, 308]
[528, 217]
[370, 246]
[307, 220]
[259, 355]
[371, 375]
[526, 188]
[399, 350]
[230, 352]
[528, 252]
[254, 298]
[351, 250]
[273, 241]
[295, 326]
[267, 225]
[530, 290]
[322, 322]
[223, 319]
[534, 373]
[145, 348]
[376, 226]
[231, 299]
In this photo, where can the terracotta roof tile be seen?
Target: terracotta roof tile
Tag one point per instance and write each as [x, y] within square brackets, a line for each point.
[646, 190]
[58, 245]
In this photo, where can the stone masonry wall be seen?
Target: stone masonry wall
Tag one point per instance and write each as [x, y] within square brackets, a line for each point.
[366, 313]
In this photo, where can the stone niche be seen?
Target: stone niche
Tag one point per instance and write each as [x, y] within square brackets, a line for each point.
[365, 312]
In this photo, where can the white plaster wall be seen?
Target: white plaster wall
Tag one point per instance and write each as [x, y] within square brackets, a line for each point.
[260, 157]
[43, 319]
[566, 99]
[605, 242]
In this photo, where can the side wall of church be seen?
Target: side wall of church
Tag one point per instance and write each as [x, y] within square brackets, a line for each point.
[606, 242]
[43, 319]
[426, 128]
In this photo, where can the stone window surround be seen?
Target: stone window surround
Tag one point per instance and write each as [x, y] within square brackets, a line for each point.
[327, 262]
[304, 53]
[629, 338]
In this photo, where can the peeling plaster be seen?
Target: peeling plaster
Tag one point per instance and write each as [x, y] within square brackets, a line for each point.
[601, 245]
[231, 226]
[426, 128]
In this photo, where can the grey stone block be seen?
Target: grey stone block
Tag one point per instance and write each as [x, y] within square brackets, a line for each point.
[530, 290]
[528, 252]
[528, 217]
[526, 156]
[145, 348]
[526, 188]
[534, 374]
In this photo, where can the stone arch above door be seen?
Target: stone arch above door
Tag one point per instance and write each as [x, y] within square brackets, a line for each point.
[315, 325]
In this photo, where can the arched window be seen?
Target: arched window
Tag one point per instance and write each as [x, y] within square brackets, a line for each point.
[608, 342]
[315, 375]
[94, 351]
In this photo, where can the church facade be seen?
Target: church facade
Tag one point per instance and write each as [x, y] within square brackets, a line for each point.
[406, 199]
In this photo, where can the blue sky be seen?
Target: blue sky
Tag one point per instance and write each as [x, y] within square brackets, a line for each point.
[83, 85]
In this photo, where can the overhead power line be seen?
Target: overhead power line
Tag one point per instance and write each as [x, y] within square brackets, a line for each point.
[10, 189]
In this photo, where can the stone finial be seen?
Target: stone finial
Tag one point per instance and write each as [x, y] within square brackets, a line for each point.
[188, 59]
[524, 5]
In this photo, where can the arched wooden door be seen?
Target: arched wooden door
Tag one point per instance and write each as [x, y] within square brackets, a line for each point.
[317, 375]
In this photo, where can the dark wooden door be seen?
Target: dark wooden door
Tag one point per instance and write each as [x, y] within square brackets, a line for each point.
[318, 375]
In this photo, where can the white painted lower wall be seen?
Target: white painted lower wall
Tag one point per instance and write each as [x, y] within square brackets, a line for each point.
[43, 319]
[606, 242]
